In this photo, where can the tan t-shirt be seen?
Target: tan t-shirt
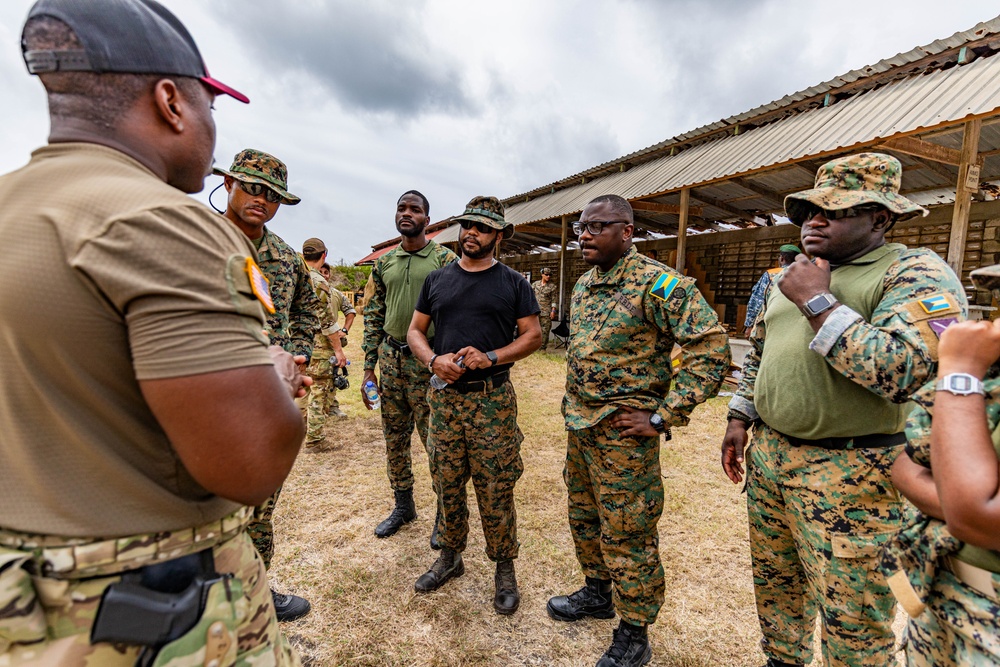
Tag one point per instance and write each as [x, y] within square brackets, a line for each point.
[109, 276]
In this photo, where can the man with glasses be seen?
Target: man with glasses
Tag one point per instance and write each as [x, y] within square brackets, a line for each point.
[257, 185]
[626, 315]
[838, 350]
[476, 305]
[395, 283]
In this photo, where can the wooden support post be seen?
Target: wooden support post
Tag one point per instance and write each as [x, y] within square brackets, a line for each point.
[562, 266]
[968, 184]
[682, 228]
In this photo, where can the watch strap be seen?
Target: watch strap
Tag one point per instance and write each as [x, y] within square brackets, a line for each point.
[960, 384]
[492, 356]
[829, 299]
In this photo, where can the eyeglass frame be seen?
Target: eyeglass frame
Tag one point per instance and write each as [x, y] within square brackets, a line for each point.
[841, 213]
[270, 194]
[579, 226]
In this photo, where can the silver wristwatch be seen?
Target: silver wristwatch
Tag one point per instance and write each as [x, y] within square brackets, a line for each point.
[819, 304]
[960, 384]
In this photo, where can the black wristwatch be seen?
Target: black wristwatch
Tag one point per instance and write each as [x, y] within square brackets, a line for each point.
[656, 421]
[492, 356]
[819, 304]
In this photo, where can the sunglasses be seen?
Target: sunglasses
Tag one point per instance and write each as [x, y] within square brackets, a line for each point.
[256, 189]
[812, 211]
[595, 227]
[481, 227]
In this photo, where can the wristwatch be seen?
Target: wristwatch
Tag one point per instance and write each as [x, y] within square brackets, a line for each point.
[656, 421]
[492, 356]
[819, 304]
[960, 384]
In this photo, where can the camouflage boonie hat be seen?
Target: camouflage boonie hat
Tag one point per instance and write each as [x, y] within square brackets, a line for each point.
[313, 245]
[855, 180]
[253, 166]
[546, 271]
[987, 277]
[489, 211]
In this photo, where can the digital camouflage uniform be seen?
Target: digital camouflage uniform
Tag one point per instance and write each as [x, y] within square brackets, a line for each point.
[623, 327]
[546, 296]
[322, 393]
[63, 582]
[818, 517]
[292, 326]
[403, 380]
[757, 295]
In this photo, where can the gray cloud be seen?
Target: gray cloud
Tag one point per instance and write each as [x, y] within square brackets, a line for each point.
[373, 57]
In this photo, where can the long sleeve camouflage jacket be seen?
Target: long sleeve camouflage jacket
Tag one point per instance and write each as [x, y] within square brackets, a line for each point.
[293, 324]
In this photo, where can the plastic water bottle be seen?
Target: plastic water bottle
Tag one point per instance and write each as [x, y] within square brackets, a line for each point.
[371, 391]
[439, 383]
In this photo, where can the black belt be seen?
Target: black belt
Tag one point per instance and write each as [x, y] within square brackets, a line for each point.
[873, 441]
[488, 384]
[400, 346]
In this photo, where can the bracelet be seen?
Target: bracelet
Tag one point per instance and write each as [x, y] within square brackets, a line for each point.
[430, 364]
[736, 414]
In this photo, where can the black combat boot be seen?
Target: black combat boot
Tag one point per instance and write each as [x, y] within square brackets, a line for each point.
[289, 607]
[404, 512]
[507, 598]
[594, 599]
[771, 662]
[629, 648]
[448, 566]
[434, 533]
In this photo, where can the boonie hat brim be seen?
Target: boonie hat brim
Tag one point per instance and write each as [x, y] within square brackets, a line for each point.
[988, 277]
[506, 228]
[286, 196]
[835, 199]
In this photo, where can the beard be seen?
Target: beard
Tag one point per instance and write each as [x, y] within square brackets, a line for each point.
[482, 251]
[411, 232]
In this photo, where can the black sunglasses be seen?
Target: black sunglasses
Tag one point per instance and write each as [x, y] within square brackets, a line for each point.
[481, 227]
[256, 189]
[811, 211]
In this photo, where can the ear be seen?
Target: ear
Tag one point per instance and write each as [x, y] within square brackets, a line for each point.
[169, 104]
[227, 181]
[881, 221]
[627, 231]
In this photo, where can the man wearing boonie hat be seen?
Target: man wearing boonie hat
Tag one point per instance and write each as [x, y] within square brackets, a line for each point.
[328, 352]
[476, 305]
[838, 350]
[547, 292]
[786, 255]
[257, 184]
[128, 433]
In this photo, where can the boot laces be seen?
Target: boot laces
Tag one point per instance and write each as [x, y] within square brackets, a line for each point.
[620, 642]
[442, 565]
[506, 580]
[586, 595]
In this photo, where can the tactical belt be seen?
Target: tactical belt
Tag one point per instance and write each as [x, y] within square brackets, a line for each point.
[489, 384]
[400, 347]
[974, 577]
[873, 441]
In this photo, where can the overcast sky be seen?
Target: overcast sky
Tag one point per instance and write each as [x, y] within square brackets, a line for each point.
[365, 99]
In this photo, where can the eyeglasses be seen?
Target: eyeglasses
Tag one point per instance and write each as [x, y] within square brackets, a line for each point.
[811, 211]
[595, 227]
[256, 189]
[481, 227]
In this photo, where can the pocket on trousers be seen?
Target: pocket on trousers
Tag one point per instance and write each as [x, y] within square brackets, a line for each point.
[629, 512]
[215, 631]
[854, 585]
[22, 620]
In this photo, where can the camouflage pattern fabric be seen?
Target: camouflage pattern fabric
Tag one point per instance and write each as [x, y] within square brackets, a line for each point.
[45, 619]
[818, 519]
[615, 502]
[546, 296]
[253, 166]
[488, 211]
[293, 324]
[476, 436]
[261, 528]
[855, 180]
[404, 382]
[322, 393]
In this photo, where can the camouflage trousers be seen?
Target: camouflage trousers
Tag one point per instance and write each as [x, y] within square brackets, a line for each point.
[404, 382]
[476, 436]
[960, 627]
[615, 502]
[546, 323]
[45, 620]
[322, 398]
[818, 520]
[261, 528]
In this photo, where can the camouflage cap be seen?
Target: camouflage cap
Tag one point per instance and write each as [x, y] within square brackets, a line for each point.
[546, 271]
[489, 211]
[313, 245]
[253, 166]
[987, 277]
[855, 180]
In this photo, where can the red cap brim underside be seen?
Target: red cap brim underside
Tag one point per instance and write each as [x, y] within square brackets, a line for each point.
[223, 89]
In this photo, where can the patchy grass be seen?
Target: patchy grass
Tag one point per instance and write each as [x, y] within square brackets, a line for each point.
[365, 612]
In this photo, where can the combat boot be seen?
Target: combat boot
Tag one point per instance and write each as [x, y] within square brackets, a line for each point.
[507, 598]
[404, 512]
[771, 662]
[629, 647]
[289, 607]
[435, 545]
[594, 600]
[447, 566]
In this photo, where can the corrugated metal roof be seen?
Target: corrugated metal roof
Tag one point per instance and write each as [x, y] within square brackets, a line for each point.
[906, 106]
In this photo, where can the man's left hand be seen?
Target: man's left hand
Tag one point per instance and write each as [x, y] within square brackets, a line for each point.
[802, 279]
[473, 358]
[630, 421]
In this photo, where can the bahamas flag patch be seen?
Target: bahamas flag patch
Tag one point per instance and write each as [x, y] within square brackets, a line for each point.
[259, 285]
[664, 285]
[935, 304]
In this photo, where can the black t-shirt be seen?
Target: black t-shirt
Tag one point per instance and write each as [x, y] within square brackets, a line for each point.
[479, 308]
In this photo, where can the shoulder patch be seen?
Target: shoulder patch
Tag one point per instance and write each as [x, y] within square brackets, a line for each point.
[938, 303]
[664, 286]
[258, 283]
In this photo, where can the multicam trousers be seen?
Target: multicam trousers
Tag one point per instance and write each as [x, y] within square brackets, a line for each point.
[960, 627]
[615, 502]
[404, 382]
[476, 436]
[322, 398]
[818, 519]
[45, 621]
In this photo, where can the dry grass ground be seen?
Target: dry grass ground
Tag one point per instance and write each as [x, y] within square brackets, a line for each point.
[365, 612]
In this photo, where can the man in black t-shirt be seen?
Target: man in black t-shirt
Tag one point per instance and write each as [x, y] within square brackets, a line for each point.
[475, 305]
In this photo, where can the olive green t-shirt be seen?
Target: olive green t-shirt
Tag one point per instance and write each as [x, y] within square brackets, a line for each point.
[110, 276]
